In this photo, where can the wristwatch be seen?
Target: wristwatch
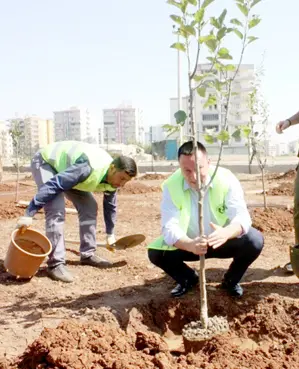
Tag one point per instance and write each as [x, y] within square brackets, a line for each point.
[290, 123]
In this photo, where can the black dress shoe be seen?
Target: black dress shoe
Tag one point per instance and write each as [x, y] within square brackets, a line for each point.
[181, 289]
[235, 290]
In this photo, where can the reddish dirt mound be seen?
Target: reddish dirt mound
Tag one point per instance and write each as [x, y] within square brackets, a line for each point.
[289, 175]
[284, 189]
[263, 335]
[9, 210]
[136, 187]
[272, 219]
[89, 345]
[153, 176]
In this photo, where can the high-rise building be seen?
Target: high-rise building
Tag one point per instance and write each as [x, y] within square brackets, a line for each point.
[212, 117]
[73, 124]
[123, 125]
[6, 145]
[34, 133]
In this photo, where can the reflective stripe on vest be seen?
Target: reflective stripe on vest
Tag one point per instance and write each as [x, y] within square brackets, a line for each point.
[62, 155]
[182, 200]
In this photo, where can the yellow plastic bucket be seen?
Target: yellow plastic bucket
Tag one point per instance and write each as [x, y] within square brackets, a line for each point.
[26, 252]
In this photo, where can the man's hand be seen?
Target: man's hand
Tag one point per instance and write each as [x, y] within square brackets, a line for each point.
[110, 239]
[218, 237]
[199, 245]
[281, 126]
[23, 223]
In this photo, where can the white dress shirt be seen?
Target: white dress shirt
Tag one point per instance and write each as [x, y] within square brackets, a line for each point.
[236, 211]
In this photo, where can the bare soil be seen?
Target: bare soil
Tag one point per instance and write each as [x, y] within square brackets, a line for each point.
[153, 176]
[124, 318]
[284, 188]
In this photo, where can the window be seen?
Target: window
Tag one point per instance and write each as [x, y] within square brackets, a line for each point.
[210, 117]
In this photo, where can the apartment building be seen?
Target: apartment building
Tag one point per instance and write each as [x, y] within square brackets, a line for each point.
[34, 133]
[212, 117]
[6, 145]
[73, 124]
[123, 125]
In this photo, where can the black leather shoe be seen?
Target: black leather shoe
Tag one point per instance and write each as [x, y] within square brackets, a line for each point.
[235, 290]
[181, 289]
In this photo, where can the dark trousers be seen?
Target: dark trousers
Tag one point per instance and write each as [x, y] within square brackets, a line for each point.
[243, 250]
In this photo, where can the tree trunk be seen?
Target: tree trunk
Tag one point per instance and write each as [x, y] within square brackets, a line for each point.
[202, 276]
[18, 175]
[264, 190]
[249, 163]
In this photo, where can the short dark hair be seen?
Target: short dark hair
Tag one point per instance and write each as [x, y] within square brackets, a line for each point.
[126, 164]
[187, 149]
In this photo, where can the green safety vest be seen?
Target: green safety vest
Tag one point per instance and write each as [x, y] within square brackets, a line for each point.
[63, 154]
[182, 200]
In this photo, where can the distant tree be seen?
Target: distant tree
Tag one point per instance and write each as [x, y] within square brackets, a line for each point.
[16, 135]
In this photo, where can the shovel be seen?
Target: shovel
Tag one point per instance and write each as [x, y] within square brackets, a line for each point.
[121, 244]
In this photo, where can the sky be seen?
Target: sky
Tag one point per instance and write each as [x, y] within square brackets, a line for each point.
[99, 54]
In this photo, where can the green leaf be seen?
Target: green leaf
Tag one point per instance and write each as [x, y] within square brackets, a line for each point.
[212, 100]
[222, 17]
[254, 22]
[238, 33]
[236, 22]
[168, 127]
[180, 116]
[243, 9]
[218, 85]
[175, 3]
[251, 39]
[188, 30]
[200, 77]
[206, 3]
[209, 139]
[184, 5]
[237, 134]
[193, 2]
[178, 46]
[199, 15]
[255, 2]
[211, 44]
[204, 39]
[229, 67]
[246, 131]
[221, 33]
[211, 59]
[201, 91]
[223, 53]
[214, 22]
[176, 19]
[223, 136]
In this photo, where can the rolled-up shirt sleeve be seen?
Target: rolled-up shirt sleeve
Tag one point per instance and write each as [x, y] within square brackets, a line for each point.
[170, 217]
[237, 211]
